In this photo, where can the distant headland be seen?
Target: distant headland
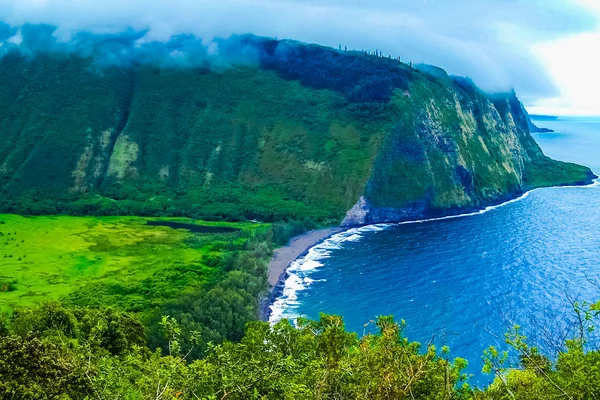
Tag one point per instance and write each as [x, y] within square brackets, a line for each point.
[540, 117]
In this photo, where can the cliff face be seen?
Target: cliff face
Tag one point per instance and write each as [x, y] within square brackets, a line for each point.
[455, 149]
[307, 134]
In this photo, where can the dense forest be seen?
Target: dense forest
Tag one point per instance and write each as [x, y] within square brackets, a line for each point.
[74, 353]
[288, 131]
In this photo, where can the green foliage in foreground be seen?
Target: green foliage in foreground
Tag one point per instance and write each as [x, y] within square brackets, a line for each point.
[76, 353]
[70, 355]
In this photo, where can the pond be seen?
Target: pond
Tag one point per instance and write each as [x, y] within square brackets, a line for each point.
[193, 227]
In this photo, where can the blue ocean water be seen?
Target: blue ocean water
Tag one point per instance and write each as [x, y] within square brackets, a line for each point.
[464, 281]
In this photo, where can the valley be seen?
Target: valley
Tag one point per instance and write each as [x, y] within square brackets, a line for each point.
[108, 261]
[146, 187]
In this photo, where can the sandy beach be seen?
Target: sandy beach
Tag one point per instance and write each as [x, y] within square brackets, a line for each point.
[284, 256]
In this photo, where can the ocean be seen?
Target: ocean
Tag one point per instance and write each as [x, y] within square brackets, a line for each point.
[464, 281]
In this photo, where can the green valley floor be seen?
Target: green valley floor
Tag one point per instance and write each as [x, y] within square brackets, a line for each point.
[95, 259]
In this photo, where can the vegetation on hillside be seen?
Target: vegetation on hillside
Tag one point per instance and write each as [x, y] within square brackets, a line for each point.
[548, 172]
[209, 149]
[301, 133]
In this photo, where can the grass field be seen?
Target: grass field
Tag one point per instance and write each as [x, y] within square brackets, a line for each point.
[106, 259]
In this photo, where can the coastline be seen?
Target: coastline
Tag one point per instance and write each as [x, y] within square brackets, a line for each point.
[284, 256]
[300, 245]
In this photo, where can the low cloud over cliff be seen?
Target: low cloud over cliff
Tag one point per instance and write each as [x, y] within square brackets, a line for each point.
[488, 41]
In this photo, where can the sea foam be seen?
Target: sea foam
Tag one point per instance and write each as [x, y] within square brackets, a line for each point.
[298, 273]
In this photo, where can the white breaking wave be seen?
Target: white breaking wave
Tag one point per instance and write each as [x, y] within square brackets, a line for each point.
[595, 183]
[287, 304]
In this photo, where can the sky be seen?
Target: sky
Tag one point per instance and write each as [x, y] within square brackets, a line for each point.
[573, 63]
[545, 49]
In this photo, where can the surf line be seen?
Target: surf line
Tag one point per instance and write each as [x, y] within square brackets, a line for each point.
[298, 280]
[595, 183]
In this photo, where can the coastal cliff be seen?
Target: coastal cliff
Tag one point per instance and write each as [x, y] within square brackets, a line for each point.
[300, 131]
[456, 149]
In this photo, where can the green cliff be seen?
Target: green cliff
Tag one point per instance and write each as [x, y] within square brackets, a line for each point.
[306, 134]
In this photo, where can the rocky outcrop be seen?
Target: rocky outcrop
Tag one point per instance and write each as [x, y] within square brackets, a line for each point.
[533, 128]
[358, 214]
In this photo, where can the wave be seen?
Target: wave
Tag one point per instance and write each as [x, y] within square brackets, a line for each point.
[298, 274]
[595, 183]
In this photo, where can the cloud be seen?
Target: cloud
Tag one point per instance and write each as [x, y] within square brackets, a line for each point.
[488, 41]
[575, 69]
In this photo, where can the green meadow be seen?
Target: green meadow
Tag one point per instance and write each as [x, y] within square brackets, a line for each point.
[107, 260]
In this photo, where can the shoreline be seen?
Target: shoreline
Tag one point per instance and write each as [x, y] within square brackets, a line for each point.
[284, 256]
[299, 246]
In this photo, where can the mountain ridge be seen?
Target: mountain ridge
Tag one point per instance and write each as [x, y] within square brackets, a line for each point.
[306, 133]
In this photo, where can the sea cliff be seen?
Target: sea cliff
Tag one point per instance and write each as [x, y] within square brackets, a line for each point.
[299, 131]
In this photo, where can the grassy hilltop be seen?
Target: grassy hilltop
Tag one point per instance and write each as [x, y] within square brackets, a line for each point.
[305, 132]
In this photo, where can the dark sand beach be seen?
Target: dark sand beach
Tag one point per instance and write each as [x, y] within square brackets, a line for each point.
[284, 256]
